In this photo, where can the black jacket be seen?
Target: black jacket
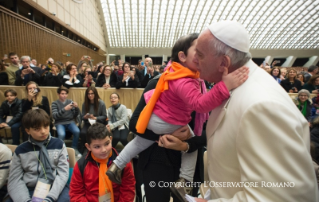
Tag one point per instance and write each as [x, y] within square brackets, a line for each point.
[66, 78]
[4, 80]
[131, 83]
[50, 80]
[15, 110]
[101, 80]
[147, 78]
[288, 86]
[32, 77]
[26, 105]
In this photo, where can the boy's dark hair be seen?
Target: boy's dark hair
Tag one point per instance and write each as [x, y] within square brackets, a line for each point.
[312, 68]
[12, 54]
[183, 44]
[97, 131]
[13, 92]
[62, 88]
[35, 119]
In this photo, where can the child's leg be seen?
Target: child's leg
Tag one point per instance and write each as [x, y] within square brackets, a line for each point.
[188, 166]
[133, 148]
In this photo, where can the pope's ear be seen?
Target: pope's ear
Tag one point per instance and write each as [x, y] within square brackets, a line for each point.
[181, 56]
[224, 62]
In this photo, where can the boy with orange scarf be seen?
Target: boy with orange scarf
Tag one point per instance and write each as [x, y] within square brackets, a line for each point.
[89, 181]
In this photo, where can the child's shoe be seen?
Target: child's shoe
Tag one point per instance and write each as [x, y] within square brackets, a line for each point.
[181, 188]
[114, 173]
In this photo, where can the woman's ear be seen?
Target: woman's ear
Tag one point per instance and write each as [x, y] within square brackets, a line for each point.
[181, 56]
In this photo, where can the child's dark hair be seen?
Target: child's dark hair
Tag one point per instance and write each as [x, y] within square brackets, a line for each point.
[114, 93]
[62, 88]
[183, 44]
[13, 92]
[97, 131]
[35, 119]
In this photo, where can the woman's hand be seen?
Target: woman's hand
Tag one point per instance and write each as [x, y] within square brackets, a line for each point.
[106, 86]
[171, 142]
[31, 95]
[92, 117]
[125, 76]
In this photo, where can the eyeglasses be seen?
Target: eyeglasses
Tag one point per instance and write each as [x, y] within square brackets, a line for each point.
[303, 95]
[112, 98]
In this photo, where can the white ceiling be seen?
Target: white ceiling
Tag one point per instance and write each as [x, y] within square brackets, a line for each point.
[272, 24]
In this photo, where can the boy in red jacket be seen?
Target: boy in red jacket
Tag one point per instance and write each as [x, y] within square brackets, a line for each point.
[89, 181]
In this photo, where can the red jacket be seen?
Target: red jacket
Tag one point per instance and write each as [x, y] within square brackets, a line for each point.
[86, 188]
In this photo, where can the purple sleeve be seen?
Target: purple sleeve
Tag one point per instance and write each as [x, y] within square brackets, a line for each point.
[189, 91]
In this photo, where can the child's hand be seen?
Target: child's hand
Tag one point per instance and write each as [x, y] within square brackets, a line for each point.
[236, 78]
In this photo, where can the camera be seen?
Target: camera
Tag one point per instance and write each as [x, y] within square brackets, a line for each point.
[36, 90]
[72, 102]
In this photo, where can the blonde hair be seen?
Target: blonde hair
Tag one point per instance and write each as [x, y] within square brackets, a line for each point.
[38, 97]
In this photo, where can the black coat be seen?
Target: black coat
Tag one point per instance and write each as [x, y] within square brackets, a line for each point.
[66, 78]
[15, 110]
[146, 79]
[4, 80]
[26, 105]
[50, 80]
[32, 77]
[288, 86]
[101, 80]
[131, 83]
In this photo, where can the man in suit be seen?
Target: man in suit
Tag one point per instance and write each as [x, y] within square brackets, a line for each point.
[257, 139]
[150, 74]
[27, 73]
[148, 62]
[313, 69]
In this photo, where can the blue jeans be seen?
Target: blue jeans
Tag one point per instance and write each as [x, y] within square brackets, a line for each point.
[73, 129]
[15, 130]
[64, 195]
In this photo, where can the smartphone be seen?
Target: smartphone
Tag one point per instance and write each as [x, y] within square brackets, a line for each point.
[35, 91]
[5, 55]
[85, 56]
[71, 102]
[277, 61]
[91, 73]
[142, 63]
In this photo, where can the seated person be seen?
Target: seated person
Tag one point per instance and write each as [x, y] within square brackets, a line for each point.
[11, 114]
[72, 79]
[107, 79]
[312, 85]
[41, 161]
[128, 79]
[4, 79]
[291, 84]
[89, 181]
[64, 111]
[27, 73]
[88, 79]
[150, 74]
[34, 100]
[5, 158]
[53, 78]
[304, 104]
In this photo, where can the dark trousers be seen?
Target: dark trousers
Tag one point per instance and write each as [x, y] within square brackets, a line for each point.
[120, 136]
[83, 132]
[162, 175]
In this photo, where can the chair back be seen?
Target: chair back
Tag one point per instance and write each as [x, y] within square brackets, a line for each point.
[72, 160]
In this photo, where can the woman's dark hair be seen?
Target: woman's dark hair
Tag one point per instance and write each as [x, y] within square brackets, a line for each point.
[303, 77]
[183, 44]
[104, 67]
[125, 64]
[273, 70]
[69, 68]
[100, 67]
[87, 101]
[313, 79]
[2, 67]
[13, 92]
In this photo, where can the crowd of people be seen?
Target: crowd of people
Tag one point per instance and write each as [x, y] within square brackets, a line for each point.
[253, 123]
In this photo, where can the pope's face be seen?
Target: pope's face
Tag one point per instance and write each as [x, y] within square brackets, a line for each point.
[206, 59]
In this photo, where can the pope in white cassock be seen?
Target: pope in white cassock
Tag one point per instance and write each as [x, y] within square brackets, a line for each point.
[258, 135]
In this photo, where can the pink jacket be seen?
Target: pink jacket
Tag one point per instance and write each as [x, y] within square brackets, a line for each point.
[184, 96]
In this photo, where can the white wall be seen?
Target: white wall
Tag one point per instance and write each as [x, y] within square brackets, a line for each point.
[83, 17]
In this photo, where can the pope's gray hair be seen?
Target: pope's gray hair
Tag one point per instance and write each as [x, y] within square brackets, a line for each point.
[237, 58]
[25, 57]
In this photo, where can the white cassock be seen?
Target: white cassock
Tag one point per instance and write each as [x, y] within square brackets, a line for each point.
[259, 136]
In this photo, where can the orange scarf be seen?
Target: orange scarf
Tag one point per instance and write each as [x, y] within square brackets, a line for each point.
[105, 184]
[179, 72]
